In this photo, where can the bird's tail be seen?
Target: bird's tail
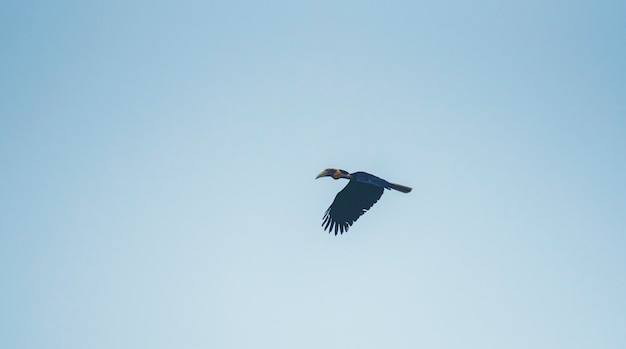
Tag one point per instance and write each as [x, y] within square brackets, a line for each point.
[401, 188]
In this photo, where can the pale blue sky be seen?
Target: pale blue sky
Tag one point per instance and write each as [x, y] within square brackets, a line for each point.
[158, 164]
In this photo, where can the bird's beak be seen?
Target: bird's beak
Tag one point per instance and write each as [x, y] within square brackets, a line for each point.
[325, 173]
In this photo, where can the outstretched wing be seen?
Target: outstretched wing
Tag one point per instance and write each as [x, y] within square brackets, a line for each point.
[349, 204]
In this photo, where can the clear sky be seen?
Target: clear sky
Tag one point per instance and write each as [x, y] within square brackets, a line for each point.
[158, 162]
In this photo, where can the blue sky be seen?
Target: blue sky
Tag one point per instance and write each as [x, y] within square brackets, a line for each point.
[159, 159]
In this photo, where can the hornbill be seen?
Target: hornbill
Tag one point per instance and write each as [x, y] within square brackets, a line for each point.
[361, 193]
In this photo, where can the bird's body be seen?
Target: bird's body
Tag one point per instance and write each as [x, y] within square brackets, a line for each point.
[361, 193]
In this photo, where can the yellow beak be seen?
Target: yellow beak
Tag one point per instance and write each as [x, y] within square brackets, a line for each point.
[325, 173]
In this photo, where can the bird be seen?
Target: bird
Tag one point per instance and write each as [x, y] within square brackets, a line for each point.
[356, 198]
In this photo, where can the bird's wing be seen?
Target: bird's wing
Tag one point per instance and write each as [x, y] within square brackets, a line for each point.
[349, 204]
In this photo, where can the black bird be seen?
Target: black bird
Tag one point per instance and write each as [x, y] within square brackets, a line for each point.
[361, 193]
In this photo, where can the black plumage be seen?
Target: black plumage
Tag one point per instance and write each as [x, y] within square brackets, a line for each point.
[361, 193]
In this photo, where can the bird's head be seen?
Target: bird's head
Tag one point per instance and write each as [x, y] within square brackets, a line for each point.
[334, 172]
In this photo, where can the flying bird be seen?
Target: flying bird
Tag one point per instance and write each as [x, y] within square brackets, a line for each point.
[361, 193]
